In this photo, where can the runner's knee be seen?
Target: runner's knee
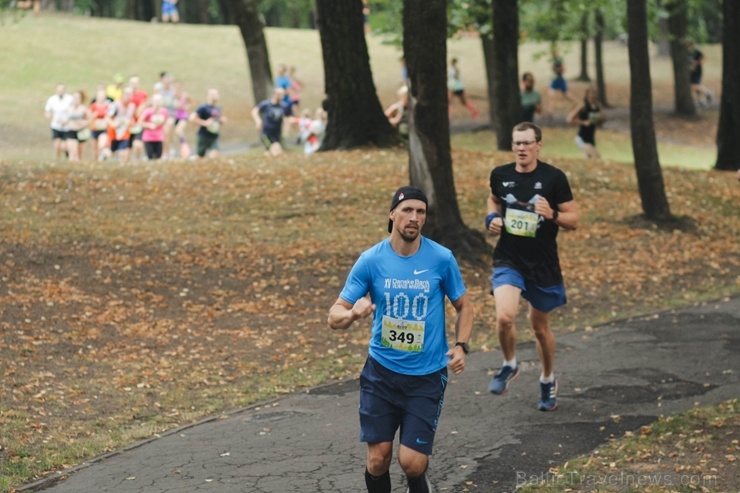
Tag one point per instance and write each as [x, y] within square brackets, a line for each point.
[505, 320]
[412, 463]
[379, 458]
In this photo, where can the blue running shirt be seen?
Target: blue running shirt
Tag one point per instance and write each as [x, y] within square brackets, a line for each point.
[408, 334]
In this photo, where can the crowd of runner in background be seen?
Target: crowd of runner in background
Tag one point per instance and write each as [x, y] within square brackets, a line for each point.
[124, 122]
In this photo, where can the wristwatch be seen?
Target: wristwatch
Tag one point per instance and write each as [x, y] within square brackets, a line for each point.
[555, 214]
[464, 345]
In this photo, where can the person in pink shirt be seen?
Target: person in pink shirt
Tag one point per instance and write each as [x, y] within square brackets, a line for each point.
[183, 102]
[139, 98]
[153, 120]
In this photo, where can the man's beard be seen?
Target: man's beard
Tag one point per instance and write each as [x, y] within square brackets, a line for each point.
[410, 238]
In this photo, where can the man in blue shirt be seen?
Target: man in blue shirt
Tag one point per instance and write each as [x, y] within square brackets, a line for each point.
[402, 282]
[268, 116]
[209, 118]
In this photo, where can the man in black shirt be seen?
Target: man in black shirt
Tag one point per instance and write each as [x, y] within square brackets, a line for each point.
[529, 202]
[703, 94]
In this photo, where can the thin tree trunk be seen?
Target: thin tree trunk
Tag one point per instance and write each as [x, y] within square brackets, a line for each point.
[664, 38]
[130, 11]
[677, 26]
[489, 62]
[644, 146]
[152, 9]
[203, 16]
[599, 59]
[226, 12]
[506, 70]
[728, 131]
[583, 77]
[247, 17]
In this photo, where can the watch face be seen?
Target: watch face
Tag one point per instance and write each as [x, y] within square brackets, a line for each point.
[464, 345]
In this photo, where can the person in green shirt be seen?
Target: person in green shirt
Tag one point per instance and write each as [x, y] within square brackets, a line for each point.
[530, 100]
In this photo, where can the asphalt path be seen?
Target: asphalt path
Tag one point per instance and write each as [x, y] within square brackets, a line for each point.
[612, 379]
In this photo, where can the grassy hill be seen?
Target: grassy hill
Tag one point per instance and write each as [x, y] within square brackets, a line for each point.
[83, 52]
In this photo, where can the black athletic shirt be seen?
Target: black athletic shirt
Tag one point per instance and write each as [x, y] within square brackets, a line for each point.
[534, 257]
[588, 132]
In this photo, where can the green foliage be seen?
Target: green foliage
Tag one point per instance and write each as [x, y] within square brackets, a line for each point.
[560, 20]
[704, 19]
[286, 13]
[386, 19]
[469, 14]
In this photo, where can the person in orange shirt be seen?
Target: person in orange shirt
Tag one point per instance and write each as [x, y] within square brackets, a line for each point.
[98, 117]
[122, 115]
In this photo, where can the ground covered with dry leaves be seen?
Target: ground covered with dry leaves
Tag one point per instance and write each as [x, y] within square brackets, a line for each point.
[696, 451]
[138, 298]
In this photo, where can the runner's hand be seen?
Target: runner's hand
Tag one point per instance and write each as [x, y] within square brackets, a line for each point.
[457, 359]
[363, 308]
[496, 224]
[542, 207]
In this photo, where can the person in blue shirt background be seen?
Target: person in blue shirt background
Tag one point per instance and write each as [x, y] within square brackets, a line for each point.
[402, 282]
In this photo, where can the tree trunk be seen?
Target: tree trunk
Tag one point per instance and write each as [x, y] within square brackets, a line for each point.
[644, 147]
[677, 26]
[130, 10]
[146, 10]
[728, 132]
[356, 117]
[430, 160]
[583, 77]
[599, 58]
[273, 17]
[203, 16]
[489, 62]
[506, 70]
[247, 18]
[226, 12]
[663, 42]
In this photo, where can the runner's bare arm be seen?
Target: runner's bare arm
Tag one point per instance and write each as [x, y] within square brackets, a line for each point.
[568, 215]
[463, 330]
[573, 116]
[342, 314]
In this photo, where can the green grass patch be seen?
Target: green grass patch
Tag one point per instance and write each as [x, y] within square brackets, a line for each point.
[559, 143]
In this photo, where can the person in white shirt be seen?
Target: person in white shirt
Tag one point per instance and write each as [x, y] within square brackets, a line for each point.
[57, 110]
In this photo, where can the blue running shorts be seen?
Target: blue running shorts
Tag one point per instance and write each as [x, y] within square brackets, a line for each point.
[559, 84]
[543, 299]
[169, 8]
[390, 400]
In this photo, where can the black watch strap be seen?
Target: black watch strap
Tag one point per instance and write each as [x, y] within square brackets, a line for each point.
[464, 346]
